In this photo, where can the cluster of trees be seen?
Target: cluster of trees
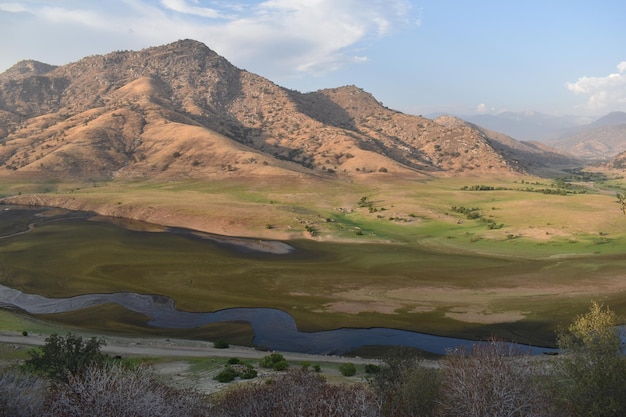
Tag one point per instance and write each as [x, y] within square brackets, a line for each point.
[70, 377]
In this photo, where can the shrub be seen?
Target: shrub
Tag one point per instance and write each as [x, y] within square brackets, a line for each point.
[590, 378]
[21, 394]
[235, 368]
[61, 357]
[492, 379]
[370, 368]
[296, 393]
[227, 375]
[270, 360]
[117, 391]
[280, 366]
[347, 369]
[405, 387]
[221, 344]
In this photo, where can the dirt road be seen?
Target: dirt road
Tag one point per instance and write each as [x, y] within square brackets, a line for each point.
[176, 348]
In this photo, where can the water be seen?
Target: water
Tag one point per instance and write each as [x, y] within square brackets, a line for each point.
[273, 329]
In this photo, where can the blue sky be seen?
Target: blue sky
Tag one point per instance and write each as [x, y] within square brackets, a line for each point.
[458, 56]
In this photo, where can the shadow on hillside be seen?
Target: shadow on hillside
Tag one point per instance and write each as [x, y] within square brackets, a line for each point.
[321, 108]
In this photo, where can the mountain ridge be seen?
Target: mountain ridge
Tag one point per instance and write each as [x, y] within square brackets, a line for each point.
[182, 111]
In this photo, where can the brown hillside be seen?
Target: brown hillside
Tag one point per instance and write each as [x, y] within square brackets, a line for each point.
[182, 111]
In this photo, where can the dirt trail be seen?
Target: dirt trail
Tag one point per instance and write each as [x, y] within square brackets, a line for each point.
[177, 348]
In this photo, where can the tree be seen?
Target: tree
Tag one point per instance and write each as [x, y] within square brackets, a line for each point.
[405, 387]
[492, 379]
[590, 376]
[61, 357]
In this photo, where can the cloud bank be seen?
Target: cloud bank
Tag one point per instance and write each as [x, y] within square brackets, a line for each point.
[604, 92]
[276, 38]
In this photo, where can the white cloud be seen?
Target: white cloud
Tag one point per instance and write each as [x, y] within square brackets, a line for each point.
[276, 38]
[604, 92]
[181, 6]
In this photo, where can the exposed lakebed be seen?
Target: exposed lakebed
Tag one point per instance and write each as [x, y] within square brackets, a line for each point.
[273, 328]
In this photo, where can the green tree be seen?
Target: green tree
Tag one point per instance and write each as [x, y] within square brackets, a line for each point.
[61, 357]
[591, 374]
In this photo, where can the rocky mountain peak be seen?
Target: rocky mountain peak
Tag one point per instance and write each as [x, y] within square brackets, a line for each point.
[183, 110]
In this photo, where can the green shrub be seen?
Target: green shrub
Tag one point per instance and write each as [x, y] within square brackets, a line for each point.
[221, 344]
[370, 368]
[281, 366]
[270, 360]
[61, 357]
[347, 369]
[227, 375]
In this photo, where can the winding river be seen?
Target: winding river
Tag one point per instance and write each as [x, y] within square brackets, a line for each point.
[273, 329]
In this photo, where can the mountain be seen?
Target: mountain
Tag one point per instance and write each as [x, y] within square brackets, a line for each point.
[602, 139]
[532, 156]
[529, 126]
[182, 111]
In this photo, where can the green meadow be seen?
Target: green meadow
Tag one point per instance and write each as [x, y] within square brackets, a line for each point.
[431, 255]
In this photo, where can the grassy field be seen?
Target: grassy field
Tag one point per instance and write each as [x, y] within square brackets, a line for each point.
[428, 255]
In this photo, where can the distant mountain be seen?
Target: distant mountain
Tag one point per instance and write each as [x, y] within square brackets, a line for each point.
[529, 126]
[611, 119]
[602, 139]
[533, 156]
[182, 111]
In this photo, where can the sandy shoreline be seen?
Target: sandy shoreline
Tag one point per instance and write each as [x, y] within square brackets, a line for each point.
[274, 247]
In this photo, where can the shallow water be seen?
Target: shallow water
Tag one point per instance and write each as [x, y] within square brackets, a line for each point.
[273, 329]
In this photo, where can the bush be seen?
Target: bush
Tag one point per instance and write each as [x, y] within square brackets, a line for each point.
[280, 366]
[590, 378]
[370, 368]
[21, 394]
[405, 387]
[296, 393]
[270, 360]
[347, 369]
[117, 391]
[235, 368]
[227, 375]
[61, 357]
[493, 379]
[221, 344]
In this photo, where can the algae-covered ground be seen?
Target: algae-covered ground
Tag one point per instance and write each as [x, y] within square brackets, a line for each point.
[469, 257]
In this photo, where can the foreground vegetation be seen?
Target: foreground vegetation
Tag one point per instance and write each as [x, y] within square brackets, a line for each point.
[69, 377]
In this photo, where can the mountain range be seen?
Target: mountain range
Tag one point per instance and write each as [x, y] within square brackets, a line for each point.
[586, 138]
[183, 111]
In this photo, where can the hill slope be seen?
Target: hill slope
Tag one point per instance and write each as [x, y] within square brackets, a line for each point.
[600, 140]
[183, 111]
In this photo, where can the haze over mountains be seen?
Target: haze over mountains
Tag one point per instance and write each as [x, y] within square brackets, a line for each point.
[589, 139]
[182, 111]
